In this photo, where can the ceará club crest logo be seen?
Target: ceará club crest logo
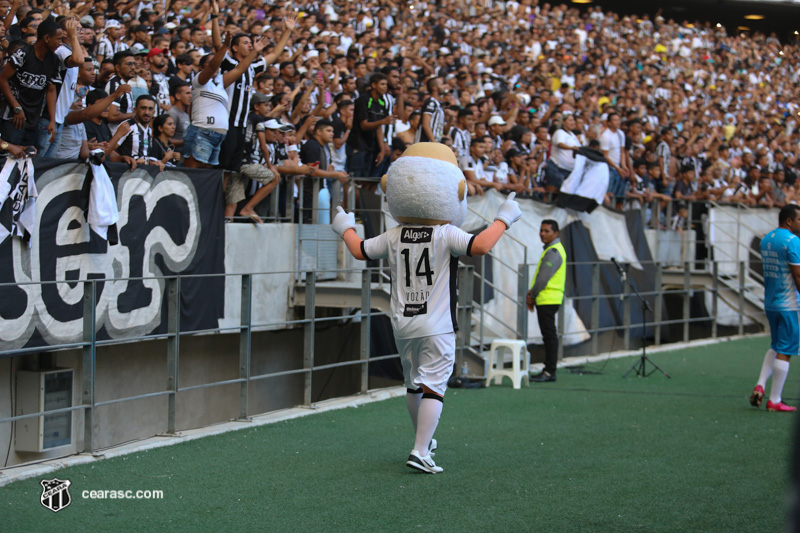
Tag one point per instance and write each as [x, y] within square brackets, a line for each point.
[55, 494]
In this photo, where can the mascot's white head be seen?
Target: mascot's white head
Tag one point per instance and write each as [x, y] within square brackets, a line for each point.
[425, 186]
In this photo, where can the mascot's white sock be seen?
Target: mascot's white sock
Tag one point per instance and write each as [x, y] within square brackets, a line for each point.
[412, 401]
[427, 419]
[766, 367]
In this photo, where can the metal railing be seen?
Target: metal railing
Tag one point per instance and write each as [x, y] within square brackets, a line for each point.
[467, 309]
[472, 309]
[174, 333]
[691, 282]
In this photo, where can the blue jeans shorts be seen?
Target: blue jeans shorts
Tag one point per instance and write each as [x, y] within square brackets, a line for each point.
[202, 144]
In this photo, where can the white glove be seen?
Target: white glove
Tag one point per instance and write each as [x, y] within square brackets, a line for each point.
[509, 211]
[344, 221]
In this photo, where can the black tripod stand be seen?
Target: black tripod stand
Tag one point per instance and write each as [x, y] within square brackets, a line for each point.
[640, 366]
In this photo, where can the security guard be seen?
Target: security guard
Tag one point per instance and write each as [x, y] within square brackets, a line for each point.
[547, 294]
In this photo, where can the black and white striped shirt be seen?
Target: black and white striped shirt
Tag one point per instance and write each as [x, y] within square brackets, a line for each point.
[388, 130]
[461, 141]
[239, 92]
[663, 152]
[433, 108]
[107, 48]
[662, 94]
[159, 89]
[138, 142]
[124, 102]
[255, 124]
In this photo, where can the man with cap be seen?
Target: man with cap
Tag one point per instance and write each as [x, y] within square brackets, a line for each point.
[111, 43]
[443, 59]
[496, 126]
[311, 60]
[87, 21]
[260, 108]
[684, 186]
[141, 38]
[159, 86]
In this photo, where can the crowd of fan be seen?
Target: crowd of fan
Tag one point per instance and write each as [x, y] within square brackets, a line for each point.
[283, 93]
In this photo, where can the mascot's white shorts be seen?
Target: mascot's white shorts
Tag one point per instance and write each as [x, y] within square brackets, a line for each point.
[428, 361]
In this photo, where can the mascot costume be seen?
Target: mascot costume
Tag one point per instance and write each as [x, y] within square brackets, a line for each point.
[427, 194]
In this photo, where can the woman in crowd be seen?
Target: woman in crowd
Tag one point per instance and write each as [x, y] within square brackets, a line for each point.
[162, 149]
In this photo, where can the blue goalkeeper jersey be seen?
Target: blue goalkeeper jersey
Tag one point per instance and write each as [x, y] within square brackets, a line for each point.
[779, 249]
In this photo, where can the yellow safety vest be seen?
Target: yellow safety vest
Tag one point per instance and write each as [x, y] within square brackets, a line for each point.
[553, 293]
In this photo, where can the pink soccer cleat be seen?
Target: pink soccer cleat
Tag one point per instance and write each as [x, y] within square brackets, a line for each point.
[780, 407]
[757, 397]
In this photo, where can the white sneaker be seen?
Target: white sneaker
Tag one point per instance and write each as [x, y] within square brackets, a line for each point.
[424, 464]
[432, 447]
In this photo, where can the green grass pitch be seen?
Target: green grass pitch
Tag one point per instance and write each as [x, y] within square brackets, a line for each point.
[591, 452]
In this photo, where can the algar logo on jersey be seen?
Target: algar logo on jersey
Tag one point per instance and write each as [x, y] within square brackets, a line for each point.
[416, 235]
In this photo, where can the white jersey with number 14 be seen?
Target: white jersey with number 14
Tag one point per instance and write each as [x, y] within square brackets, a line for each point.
[424, 266]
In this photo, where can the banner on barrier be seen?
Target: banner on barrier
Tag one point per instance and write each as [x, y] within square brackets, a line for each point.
[169, 223]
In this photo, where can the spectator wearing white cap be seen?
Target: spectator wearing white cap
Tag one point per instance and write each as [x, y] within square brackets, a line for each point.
[444, 60]
[111, 43]
[495, 127]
